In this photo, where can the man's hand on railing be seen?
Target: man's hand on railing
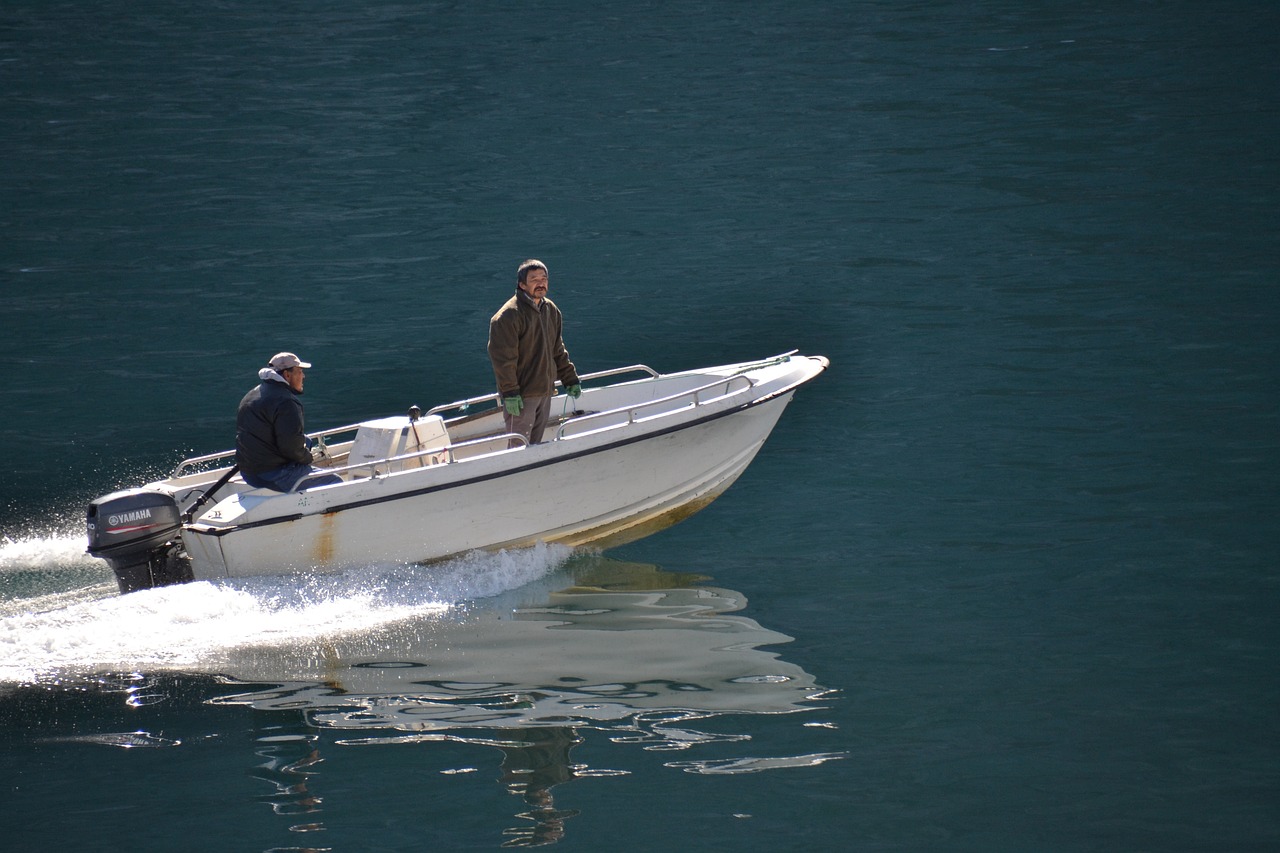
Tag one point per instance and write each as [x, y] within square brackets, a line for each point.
[320, 456]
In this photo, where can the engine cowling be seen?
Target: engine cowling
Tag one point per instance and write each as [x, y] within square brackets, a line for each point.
[137, 532]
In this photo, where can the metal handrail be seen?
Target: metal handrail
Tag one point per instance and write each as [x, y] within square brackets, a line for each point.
[620, 370]
[471, 401]
[695, 393]
[448, 448]
[227, 454]
[195, 460]
[460, 404]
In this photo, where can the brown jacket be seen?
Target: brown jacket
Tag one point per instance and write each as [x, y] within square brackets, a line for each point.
[527, 350]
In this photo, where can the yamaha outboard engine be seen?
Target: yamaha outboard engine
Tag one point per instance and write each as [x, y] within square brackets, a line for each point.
[137, 532]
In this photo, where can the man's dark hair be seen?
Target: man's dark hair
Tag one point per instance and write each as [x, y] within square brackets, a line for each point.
[530, 264]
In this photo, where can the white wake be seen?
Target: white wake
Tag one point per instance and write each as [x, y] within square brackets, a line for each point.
[94, 629]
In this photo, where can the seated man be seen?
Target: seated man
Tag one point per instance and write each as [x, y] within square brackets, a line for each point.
[272, 449]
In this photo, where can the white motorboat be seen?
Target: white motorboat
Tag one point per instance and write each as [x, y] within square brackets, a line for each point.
[623, 460]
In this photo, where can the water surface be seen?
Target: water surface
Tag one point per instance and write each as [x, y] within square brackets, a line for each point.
[1003, 578]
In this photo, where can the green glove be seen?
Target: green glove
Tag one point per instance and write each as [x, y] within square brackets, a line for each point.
[575, 391]
[514, 404]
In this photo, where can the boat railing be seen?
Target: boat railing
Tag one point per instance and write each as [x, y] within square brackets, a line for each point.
[618, 371]
[189, 465]
[464, 405]
[695, 397]
[510, 441]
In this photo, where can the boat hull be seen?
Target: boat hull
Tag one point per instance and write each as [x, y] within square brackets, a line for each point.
[626, 486]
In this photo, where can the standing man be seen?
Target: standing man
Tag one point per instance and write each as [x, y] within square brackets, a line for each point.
[528, 354]
[272, 449]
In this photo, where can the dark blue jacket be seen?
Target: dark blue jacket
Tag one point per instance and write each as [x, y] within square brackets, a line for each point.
[269, 428]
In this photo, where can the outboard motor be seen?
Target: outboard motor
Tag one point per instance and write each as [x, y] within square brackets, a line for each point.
[137, 532]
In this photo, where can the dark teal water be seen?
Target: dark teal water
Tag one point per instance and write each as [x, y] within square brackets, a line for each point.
[1004, 578]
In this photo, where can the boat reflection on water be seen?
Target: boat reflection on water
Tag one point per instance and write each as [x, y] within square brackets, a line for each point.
[629, 650]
